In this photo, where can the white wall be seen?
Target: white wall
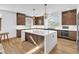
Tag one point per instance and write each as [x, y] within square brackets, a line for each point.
[40, 9]
[8, 23]
[59, 9]
[62, 8]
[29, 22]
[9, 18]
[52, 8]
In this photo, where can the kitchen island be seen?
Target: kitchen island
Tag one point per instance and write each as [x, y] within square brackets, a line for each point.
[48, 37]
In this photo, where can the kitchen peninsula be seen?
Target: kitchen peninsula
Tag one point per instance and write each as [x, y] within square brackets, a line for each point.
[48, 37]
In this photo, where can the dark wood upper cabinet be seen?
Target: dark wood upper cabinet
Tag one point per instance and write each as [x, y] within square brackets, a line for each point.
[69, 17]
[38, 20]
[21, 19]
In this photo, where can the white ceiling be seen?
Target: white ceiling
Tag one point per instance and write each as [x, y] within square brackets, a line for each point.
[28, 8]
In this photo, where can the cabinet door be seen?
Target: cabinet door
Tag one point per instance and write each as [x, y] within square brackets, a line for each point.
[38, 39]
[18, 32]
[64, 19]
[20, 19]
[38, 20]
[58, 33]
[72, 35]
[29, 37]
[69, 17]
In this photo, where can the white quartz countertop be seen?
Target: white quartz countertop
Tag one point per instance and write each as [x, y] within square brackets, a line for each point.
[39, 32]
[68, 29]
[71, 28]
[3, 32]
[50, 28]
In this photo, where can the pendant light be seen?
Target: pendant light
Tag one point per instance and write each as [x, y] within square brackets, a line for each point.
[33, 13]
[45, 14]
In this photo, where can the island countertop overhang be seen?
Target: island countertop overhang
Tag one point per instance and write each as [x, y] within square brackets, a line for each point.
[39, 32]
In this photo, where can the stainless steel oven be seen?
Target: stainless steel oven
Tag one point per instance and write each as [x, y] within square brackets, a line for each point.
[65, 33]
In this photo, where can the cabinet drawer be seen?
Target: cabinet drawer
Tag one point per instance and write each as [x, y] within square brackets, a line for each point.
[18, 33]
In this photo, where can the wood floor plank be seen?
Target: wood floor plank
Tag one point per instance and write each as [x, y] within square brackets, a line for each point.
[65, 46]
[16, 46]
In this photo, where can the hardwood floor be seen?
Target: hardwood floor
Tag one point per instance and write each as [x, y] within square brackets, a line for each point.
[16, 46]
[65, 46]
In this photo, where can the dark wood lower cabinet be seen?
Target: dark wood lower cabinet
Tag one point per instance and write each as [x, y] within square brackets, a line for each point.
[58, 33]
[72, 35]
[18, 33]
[38, 39]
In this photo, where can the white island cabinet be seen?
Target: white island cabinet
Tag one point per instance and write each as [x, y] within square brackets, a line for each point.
[50, 38]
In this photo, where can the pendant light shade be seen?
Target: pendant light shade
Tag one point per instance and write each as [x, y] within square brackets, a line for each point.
[45, 14]
[33, 13]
